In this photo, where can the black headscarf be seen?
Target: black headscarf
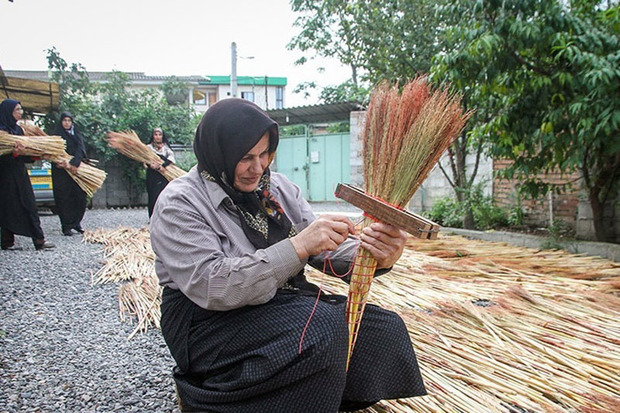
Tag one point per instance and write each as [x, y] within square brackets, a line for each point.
[8, 123]
[226, 133]
[75, 141]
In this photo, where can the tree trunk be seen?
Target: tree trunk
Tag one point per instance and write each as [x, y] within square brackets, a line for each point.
[602, 216]
[463, 189]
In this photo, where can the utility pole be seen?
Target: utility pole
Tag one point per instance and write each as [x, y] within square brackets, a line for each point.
[266, 94]
[233, 70]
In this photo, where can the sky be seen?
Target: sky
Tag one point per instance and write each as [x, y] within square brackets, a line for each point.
[158, 37]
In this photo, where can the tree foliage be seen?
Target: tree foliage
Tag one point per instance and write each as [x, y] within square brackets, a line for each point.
[376, 39]
[111, 105]
[547, 77]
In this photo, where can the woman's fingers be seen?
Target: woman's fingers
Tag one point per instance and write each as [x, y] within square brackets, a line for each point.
[324, 234]
[385, 242]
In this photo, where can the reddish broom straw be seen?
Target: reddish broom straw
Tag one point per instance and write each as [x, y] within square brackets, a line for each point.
[403, 138]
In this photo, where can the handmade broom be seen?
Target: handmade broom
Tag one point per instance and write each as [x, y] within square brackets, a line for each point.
[129, 144]
[404, 136]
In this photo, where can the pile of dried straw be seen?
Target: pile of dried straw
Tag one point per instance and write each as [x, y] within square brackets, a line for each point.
[496, 328]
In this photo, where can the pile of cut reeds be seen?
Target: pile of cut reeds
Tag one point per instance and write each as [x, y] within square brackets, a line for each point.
[496, 328]
[499, 328]
[129, 261]
[33, 145]
[405, 133]
[89, 178]
[129, 144]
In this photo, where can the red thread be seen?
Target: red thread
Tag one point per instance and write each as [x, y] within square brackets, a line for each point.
[318, 296]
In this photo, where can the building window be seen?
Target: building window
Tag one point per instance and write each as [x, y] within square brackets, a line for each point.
[199, 98]
[248, 96]
[279, 97]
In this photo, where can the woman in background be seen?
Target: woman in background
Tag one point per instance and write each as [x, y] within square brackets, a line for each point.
[70, 199]
[18, 208]
[155, 181]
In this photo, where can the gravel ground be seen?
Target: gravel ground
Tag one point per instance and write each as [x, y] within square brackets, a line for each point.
[62, 345]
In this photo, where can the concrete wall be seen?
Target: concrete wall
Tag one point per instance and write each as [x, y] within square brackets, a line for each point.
[114, 192]
[357, 167]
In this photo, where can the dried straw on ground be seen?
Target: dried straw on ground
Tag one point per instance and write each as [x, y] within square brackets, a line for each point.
[496, 328]
[33, 145]
[89, 178]
[129, 260]
[129, 144]
[505, 329]
[404, 136]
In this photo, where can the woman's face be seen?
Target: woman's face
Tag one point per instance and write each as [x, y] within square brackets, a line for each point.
[251, 167]
[17, 112]
[66, 123]
[158, 136]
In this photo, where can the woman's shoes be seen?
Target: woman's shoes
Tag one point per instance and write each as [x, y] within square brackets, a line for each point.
[12, 248]
[45, 246]
[68, 232]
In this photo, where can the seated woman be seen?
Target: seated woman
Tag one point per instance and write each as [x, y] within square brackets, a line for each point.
[231, 240]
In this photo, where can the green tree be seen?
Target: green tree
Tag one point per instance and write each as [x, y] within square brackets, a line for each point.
[547, 77]
[388, 39]
[102, 107]
[376, 39]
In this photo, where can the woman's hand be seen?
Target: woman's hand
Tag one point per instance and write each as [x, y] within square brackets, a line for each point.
[155, 165]
[19, 148]
[326, 233]
[385, 242]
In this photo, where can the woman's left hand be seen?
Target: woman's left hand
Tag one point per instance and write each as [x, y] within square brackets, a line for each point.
[385, 242]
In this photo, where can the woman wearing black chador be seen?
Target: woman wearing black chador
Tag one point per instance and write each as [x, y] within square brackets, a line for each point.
[69, 197]
[18, 208]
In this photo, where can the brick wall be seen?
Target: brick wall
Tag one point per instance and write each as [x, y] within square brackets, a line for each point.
[565, 206]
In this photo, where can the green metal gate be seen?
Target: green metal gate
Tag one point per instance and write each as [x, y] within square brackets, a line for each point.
[315, 163]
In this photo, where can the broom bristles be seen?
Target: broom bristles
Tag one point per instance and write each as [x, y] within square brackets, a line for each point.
[404, 136]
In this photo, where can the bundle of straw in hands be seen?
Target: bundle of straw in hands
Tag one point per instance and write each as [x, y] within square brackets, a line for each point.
[32, 146]
[403, 138]
[89, 178]
[129, 144]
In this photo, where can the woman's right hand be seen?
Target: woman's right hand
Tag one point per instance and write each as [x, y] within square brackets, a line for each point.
[19, 148]
[326, 233]
[156, 165]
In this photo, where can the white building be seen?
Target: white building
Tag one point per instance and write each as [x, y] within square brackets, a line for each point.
[266, 91]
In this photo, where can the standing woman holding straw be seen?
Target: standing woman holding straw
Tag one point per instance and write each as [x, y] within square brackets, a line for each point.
[70, 199]
[236, 302]
[18, 208]
[155, 181]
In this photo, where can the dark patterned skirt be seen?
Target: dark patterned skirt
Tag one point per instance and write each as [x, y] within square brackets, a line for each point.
[249, 359]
